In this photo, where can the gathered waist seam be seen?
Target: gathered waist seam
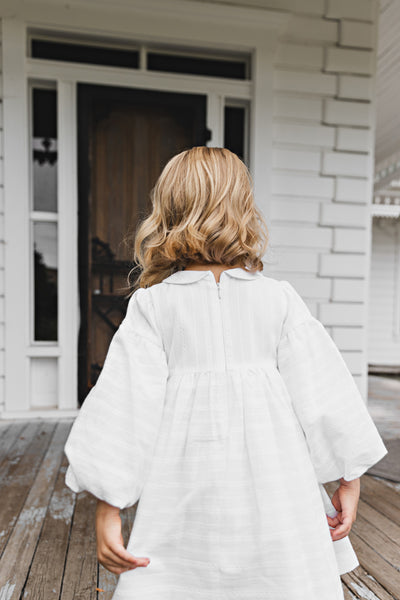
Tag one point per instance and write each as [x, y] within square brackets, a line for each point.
[265, 366]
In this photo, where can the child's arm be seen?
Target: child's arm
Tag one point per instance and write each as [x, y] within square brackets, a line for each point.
[342, 438]
[111, 443]
[111, 552]
[345, 500]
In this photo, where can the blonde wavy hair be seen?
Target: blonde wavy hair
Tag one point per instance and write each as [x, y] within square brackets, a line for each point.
[204, 212]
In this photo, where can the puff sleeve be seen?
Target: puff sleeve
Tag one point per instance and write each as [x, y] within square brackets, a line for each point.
[111, 442]
[342, 438]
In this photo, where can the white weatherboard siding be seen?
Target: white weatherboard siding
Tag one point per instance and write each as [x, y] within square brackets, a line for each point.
[384, 303]
[314, 129]
[322, 161]
[2, 311]
[33, 387]
[323, 141]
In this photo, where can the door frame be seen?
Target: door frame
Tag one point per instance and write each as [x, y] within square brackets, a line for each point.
[200, 24]
[110, 94]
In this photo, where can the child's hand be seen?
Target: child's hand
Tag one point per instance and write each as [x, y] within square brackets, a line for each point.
[345, 500]
[111, 552]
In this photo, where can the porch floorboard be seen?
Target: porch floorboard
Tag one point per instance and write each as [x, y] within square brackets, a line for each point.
[47, 533]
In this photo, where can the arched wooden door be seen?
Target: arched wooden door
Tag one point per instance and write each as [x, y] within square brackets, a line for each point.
[125, 137]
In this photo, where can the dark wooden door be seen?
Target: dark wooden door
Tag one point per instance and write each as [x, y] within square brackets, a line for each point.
[125, 137]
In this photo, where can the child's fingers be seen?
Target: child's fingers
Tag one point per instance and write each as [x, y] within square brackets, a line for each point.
[116, 565]
[123, 553]
[333, 521]
[122, 557]
[114, 568]
[342, 530]
[113, 559]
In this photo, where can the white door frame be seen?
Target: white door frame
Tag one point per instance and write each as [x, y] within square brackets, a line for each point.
[189, 24]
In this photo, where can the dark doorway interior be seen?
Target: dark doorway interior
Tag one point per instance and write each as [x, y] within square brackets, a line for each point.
[125, 137]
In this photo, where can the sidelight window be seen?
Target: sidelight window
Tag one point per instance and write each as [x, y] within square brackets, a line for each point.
[43, 213]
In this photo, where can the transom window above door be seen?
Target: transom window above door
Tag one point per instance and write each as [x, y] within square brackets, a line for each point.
[230, 70]
[91, 169]
[151, 57]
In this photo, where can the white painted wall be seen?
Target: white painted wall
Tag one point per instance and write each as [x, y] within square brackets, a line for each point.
[321, 185]
[2, 315]
[322, 158]
[323, 144]
[384, 304]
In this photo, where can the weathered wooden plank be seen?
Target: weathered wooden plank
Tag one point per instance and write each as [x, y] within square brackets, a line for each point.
[375, 565]
[8, 436]
[381, 543]
[380, 521]
[53, 537]
[18, 473]
[4, 428]
[389, 466]
[47, 569]
[348, 594]
[107, 583]
[382, 497]
[80, 575]
[18, 449]
[23, 539]
[381, 488]
[365, 586]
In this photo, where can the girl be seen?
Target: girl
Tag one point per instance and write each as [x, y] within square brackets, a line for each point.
[223, 406]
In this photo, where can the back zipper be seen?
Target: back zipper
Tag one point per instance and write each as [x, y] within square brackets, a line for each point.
[222, 323]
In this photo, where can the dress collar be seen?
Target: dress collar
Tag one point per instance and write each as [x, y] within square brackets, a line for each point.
[188, 276]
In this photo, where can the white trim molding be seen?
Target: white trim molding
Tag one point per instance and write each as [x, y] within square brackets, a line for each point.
[91, 13]
[16, 208]
[203, 26]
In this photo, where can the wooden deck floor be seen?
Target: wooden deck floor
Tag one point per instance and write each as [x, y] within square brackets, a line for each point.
[47, 533]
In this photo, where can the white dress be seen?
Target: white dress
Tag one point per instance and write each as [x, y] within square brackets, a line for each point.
[223, 408]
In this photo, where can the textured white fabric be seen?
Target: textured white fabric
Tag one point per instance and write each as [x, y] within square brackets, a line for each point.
[223, 408]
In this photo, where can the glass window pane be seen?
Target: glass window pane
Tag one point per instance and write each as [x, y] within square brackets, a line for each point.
[235, 130]
[45, 280]
[174, 63]
[83, 53]
[44, 151]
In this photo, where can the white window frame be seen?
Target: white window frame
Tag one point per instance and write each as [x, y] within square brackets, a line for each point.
[206, 25]
[246, 105]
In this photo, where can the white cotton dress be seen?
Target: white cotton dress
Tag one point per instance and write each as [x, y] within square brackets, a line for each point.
[223, 408]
